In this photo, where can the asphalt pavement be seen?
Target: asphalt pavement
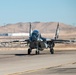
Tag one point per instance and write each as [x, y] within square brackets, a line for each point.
[17, 62]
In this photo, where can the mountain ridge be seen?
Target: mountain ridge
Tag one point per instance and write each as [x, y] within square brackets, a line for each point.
[43, 27]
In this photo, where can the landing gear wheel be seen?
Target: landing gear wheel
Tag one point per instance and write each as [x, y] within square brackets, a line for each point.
[29, 51]
[37, 52]
[52, 51]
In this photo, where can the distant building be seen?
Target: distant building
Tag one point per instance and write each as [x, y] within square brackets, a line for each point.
[4, 34]
[14, 34]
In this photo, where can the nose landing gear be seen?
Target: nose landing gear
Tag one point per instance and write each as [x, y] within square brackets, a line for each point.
[37, 52]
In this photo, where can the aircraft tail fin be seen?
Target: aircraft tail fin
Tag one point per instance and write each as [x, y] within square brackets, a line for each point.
[57, 32]
[30, 30]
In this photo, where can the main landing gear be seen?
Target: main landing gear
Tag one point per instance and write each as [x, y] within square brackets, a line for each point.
[51, 47]
[52, 50]
[29, 51]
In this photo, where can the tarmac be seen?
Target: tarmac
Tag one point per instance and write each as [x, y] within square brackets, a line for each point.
[17, 62]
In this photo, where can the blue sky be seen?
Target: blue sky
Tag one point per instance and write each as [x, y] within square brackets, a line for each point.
[13, 11]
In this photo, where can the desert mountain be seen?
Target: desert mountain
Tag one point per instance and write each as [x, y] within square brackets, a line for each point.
[43, 27]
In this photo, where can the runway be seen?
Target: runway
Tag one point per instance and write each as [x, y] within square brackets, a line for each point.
[17, 62]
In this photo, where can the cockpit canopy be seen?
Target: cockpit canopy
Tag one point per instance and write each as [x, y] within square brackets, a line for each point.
[35, 33]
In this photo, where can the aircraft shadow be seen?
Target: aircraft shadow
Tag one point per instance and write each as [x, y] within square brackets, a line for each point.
[21, 54]
[31, 54]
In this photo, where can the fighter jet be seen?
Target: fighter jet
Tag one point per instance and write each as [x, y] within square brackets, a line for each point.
[36, 41]
[39, 43]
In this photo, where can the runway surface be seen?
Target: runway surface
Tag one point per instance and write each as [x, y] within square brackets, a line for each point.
[19, 63]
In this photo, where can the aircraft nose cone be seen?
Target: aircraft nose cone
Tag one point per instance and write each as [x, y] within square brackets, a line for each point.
[33, 38]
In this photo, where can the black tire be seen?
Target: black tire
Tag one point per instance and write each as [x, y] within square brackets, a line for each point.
[29, 51]
[52, 51]
[37, 52]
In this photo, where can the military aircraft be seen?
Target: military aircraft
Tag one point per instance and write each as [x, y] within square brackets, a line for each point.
[36, 41]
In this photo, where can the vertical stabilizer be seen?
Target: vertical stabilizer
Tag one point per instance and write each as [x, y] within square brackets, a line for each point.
[30, 30]
[57, 32]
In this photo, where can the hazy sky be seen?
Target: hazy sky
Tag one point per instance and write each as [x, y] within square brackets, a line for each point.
[13, 11]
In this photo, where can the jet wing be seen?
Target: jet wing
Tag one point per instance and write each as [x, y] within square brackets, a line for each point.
[15, 43]
[63, 41]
